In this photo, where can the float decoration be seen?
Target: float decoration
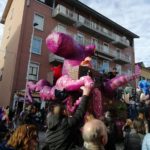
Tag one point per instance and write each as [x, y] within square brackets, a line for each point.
[76, 55]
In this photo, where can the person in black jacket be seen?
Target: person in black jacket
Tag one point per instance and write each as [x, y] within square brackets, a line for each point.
[60, 133]
[133, 141]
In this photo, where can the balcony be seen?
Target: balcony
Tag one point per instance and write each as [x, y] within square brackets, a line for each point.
[122, 59]
[121, 42]
[100, 49]
[94, 29]
[65, 15]
[54, 59]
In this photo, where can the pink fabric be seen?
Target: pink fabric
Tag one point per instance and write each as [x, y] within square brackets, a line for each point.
[65, 46]
[118, 81]
[97, 103]
[45, 93]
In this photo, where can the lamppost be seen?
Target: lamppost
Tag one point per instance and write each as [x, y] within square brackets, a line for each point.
[29, 61]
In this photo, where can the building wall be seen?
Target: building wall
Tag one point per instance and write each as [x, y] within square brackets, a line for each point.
[145, 73]
[15, 67]
[10, 42]
[43, 59]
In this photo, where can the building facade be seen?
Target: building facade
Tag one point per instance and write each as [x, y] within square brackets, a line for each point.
[145, 72]
[114, 43]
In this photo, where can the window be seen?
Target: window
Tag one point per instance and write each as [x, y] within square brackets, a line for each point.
[42, 1]
[105, 30]
[80, 38]
[61, 28]
[40, 21]
[95, 26]
[95, 42]
[33, 71]
[119, 70]
[94, 63]
[106, 47]
[118, 53]
[36, 45]
[105, 66]
[81, 19]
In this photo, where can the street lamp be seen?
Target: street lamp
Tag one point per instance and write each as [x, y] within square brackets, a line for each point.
[29, 61]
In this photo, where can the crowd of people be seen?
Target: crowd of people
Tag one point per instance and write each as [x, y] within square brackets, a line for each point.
[65, 132]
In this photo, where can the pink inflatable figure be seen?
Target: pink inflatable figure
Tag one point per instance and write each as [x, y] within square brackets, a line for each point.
[41, 86]
[72, 107]
[67, 83]
[65, 46]
[45, 93]
[121, 80]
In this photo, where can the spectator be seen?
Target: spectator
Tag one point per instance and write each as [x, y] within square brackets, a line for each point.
[128, 128]
[60, 133]
[146, 141]
[141, 116]
[94, 135]
[111, 131]
[134, 141]
[3, 130]
[24, 138]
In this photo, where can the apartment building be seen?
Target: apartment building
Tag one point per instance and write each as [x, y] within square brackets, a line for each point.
[114, 43]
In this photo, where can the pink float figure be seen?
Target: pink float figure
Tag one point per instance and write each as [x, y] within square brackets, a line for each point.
[65, 46]
[67, 83]
[121, 80]
[41, 86]
[45, 93]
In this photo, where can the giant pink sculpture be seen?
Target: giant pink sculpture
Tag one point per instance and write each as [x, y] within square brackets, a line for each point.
[65, 46]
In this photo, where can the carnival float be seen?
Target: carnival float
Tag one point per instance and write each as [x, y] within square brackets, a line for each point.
[77, 71]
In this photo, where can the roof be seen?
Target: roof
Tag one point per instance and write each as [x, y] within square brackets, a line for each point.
[101, 17]
[141, 64]
[88, 10]
[5, 13]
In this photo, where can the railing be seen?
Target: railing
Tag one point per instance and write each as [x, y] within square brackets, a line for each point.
[94, 26]
[122, 40]
[60, 9]
[122, 56]
[67, 12]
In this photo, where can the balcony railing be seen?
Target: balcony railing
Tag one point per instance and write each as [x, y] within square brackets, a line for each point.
[86, 25]
[122, 59]
[105, 52]
[64, 15]
[121, 42]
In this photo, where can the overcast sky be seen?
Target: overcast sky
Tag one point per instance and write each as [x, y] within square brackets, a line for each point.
[131, 14]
